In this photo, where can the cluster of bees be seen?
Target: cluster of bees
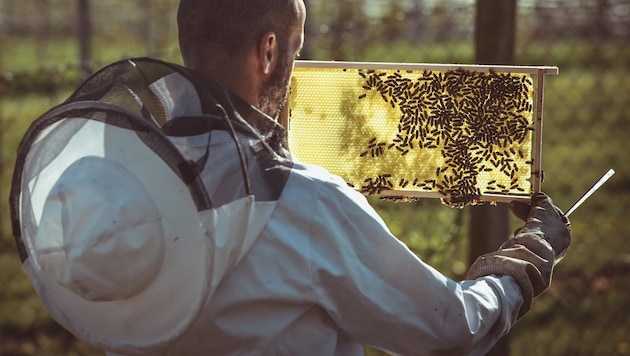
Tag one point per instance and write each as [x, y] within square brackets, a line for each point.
[479, 122]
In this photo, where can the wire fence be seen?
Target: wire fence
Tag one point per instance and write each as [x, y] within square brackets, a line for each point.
[586, 108]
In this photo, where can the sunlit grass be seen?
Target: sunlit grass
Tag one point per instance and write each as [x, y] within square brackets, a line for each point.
[29, 54]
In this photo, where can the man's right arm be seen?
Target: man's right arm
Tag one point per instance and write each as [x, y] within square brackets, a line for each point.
[382, 294]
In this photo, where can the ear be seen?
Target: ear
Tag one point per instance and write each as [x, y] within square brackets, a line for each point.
[268, 52]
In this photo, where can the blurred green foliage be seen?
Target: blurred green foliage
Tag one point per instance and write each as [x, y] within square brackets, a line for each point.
[587, 120]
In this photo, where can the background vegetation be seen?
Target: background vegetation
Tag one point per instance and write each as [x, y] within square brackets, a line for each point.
[587, 116]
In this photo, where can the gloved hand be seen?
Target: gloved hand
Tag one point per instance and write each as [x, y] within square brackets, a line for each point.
[529, 257]
[545, 219]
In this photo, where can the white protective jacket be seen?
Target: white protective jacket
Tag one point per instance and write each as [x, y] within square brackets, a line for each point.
[325, 276]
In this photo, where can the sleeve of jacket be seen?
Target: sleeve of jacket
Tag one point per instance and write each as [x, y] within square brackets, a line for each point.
[382, 294]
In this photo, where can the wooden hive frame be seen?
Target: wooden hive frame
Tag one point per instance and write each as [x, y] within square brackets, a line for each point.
[353, 98]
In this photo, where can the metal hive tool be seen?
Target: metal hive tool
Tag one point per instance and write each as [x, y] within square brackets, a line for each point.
[463, 133]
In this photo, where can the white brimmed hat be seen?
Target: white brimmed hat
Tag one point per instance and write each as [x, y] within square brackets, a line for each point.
[110, 231]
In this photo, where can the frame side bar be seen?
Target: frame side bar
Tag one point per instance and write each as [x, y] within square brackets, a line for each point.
[538, 172]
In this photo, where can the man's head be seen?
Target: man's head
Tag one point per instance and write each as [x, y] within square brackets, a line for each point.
[246, 45]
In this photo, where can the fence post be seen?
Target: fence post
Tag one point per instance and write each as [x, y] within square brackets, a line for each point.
[494, 44]
[84, 28]
[3, 164]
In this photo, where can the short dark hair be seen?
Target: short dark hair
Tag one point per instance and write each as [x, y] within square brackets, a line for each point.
[209, 30]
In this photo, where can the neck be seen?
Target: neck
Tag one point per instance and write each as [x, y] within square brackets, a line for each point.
[236, 78]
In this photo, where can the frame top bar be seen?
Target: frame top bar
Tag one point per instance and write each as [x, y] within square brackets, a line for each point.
[428, 66]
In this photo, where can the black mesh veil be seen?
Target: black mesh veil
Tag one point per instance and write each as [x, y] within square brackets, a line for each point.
[132, 95]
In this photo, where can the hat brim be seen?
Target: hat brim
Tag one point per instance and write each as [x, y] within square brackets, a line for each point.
[171, 303]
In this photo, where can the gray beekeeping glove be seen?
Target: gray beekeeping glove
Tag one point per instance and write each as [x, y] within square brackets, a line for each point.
[529, 257]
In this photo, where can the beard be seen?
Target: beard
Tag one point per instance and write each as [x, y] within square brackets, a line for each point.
[275, 90]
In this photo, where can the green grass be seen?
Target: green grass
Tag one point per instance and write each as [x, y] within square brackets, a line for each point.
[23, 54]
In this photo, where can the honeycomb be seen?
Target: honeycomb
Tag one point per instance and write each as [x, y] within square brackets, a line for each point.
[457, 134]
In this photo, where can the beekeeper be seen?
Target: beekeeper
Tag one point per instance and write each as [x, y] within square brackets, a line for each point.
[159, 212]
